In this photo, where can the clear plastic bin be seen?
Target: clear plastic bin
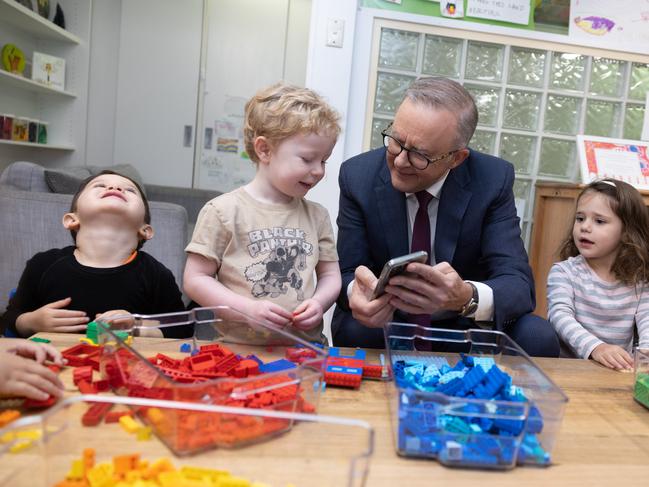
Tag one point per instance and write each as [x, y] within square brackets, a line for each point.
[464, 431]
[641, 367]
[131, 373]
[319, 451]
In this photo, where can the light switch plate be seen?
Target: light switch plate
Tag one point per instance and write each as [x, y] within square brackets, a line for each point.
[335, 32]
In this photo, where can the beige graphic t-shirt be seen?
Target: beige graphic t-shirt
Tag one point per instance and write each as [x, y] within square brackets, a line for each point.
[266, 251]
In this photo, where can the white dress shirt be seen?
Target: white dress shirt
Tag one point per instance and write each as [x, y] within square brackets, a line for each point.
[485, 311]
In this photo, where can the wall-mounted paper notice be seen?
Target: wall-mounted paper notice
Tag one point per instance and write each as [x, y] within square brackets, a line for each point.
[514, 11]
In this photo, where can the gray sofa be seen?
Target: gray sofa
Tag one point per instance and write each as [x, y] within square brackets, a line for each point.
[30, 219]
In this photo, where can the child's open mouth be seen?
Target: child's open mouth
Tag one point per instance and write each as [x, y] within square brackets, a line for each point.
[116, 194]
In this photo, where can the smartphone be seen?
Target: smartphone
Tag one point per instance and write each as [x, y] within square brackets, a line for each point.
[396, 266]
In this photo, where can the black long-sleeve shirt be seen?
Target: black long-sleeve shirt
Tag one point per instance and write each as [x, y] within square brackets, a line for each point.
[142, 286]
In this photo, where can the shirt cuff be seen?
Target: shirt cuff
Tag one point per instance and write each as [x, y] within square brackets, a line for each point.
[349, 289]
[485, 311]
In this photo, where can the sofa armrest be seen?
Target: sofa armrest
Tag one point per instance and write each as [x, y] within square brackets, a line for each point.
[189, 198]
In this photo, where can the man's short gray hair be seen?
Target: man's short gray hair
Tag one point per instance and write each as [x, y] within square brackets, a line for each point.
[446, 94]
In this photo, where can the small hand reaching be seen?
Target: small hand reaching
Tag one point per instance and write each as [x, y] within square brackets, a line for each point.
[25, 377]
[307, 315]
[270, 314]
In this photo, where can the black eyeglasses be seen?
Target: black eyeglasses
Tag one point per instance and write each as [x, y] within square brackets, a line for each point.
[416, 159]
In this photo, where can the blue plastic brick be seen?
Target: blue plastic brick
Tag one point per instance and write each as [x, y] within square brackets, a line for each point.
[276, 366]
[185, 348]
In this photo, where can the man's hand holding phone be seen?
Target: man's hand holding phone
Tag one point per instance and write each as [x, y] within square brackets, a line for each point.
[394, 267]
[373, 313]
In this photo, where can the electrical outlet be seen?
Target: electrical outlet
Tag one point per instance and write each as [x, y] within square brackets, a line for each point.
[335, 32]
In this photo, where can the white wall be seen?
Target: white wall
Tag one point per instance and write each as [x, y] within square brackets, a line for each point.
[329, 71]
[102, 84]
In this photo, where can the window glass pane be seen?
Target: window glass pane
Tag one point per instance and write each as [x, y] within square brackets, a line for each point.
[521, 109]
[526, 67]
[602, 118]
[567, 71]
[558, 157]
[486, 100]
[483, 141]
[398, 49]
[522, 197]
[377, 126]
[562, 114]
[606, 76]
[442, 56]
[639, 84]
[633, 119]
[484, 61]
[519, 150]
[389, 91]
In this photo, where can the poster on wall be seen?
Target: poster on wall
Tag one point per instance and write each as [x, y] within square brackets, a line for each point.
[623, 24]
[513, 11]
[224, 162]
[603, 157]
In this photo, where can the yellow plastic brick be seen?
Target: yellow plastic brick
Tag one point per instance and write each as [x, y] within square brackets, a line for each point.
[101, 475]
[21, 445]
[201, 473]
[33, 434]
[170, 479]
[144, 433]
[129, 424]
[233, 482]
[76, 471]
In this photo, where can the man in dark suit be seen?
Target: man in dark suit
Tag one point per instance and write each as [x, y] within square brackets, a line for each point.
[426, 181]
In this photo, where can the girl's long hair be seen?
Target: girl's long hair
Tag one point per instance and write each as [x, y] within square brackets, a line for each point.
[631, 265]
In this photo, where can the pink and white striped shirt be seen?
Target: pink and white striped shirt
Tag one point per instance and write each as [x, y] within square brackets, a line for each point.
[587, 311]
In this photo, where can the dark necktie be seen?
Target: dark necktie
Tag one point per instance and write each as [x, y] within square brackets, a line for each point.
[421, 241]
[421, 228]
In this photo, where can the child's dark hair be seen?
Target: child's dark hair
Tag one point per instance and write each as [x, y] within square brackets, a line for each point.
[87, 181]
[631, 265]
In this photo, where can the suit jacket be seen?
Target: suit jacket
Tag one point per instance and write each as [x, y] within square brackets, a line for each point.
[477, 232]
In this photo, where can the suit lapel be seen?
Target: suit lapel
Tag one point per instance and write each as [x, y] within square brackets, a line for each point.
[453, 202]
[391, 205]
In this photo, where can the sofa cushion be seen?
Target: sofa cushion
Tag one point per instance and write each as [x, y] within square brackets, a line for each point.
[67, 180]
[24, 176]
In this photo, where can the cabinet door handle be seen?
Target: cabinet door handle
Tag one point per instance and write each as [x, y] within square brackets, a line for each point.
[187, 135]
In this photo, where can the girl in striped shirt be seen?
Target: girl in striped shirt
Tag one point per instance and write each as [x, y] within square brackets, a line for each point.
[600, 293]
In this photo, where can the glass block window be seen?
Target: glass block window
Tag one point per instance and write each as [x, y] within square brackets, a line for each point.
[531, 102]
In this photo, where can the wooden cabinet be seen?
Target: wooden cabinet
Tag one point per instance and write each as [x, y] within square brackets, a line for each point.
[554, 208]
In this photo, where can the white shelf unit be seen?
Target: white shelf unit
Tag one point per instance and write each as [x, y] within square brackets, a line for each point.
[14, 13]
[37, 146]
[65, 111]
[10, 79]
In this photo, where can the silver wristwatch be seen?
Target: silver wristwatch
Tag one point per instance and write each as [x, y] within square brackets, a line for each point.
[471, 305]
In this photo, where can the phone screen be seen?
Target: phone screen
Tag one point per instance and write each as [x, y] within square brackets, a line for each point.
[396, 266]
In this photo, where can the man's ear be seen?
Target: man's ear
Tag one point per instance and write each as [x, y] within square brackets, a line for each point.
[71, 221]
[263, 149]
[145, 232]
[459, 157]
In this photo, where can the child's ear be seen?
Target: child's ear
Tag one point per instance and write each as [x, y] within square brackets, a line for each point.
[71, 221]
[263, 149]
[145, 232]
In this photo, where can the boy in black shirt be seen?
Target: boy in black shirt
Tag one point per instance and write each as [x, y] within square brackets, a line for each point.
[104, 274]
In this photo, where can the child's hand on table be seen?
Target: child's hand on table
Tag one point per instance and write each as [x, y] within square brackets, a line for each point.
[612, 356]
[22, 372]
[54, 318]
